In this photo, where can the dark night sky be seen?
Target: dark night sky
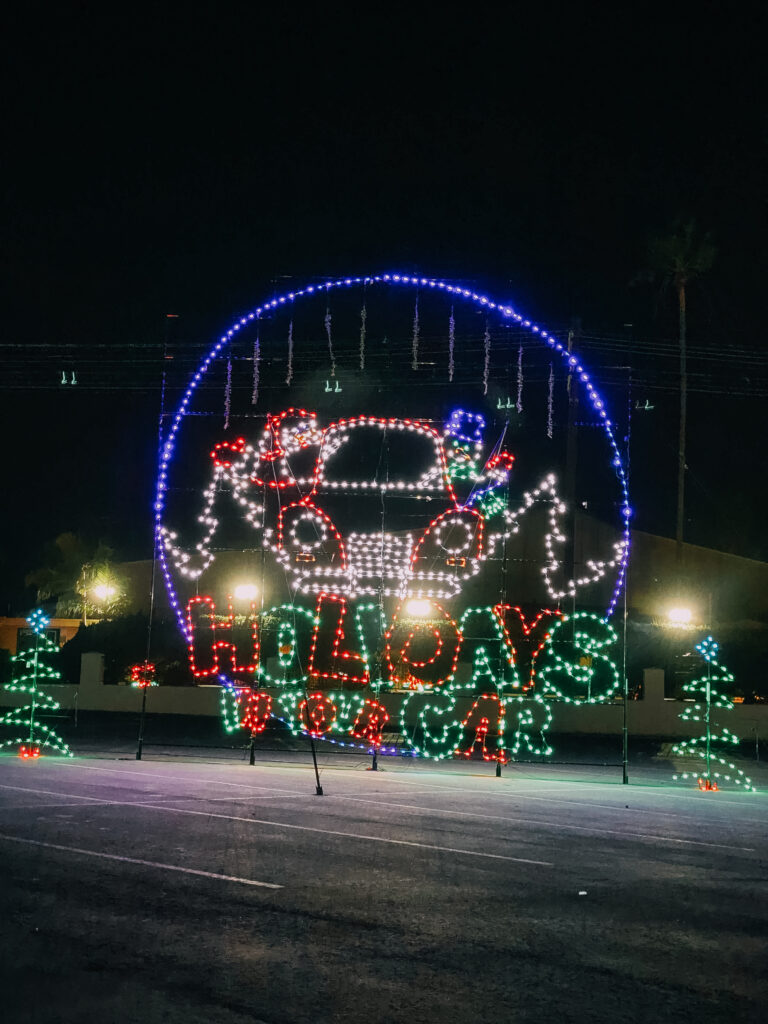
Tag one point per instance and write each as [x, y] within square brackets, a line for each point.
[186, 160]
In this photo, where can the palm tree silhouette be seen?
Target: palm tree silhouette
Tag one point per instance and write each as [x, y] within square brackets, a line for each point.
[678, 257]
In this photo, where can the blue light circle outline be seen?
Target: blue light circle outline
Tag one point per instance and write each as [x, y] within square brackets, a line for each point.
[572, 361]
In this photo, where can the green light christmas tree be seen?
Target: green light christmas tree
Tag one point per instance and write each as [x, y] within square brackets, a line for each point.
[32, 735]
[708, 689]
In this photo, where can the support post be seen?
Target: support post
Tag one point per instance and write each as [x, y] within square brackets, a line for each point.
[155, 538]
[142, 720]
[625, 740]
[318, 787]
[680, 518]
[625, 687]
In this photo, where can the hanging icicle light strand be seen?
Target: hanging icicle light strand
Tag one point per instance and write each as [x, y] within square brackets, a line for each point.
[289, 373]
[238, 465]
[451, 342]
[415, 361]
[487, 359]
[256, 361]
[327, 322]
[363, 318]
[550, 401]
[519, 403]
[228, 393]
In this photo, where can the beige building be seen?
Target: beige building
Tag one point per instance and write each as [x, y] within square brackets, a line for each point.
[14, 630]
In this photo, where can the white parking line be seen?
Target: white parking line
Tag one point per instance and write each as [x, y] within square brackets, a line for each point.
[547, 824]
[349, 835]
[390, 778]
[647, 836]
[46, 806]
[143, 863]
[54, 792]
[178, 778]
[92, 800]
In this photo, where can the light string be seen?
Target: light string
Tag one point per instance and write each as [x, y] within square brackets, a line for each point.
[318, 559]
[566, 661]
[550, 402]
[327, 324]
[289, 371]
[451, 343]
[256, 360]
[486, 357]
[519, 401]
[143, 675]
[256, 371]
[415, 343]
[228, 393]
[32, 734]
[363, 319]
[463, 294]
[708, 690]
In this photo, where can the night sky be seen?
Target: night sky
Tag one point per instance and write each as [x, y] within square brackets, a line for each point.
[196, 161]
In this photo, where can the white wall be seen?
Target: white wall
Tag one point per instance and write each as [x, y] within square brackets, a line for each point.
[652, 716]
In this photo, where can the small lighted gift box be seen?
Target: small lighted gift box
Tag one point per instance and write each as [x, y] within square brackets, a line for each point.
[143, 675]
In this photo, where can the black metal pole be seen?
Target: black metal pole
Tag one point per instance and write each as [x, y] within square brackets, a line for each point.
[625, 723]
[318, 787]
[625, 739]
[252, 754]
[375, 664]
[500, 689]
[33, 705]
[142, 720]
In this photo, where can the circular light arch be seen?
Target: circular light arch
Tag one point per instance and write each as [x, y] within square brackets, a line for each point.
[571, 360]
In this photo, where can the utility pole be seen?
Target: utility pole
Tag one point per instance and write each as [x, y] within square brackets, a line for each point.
[625, 597]
[683, 415]
[571, 458]
[155, 536]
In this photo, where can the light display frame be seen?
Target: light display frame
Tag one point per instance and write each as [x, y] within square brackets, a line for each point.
[231, 459]
[708, 696]
[35, 735]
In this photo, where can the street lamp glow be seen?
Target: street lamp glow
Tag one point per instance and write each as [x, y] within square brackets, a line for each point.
[104, 591]
[418, 608]
[679, 616]
[246, 592]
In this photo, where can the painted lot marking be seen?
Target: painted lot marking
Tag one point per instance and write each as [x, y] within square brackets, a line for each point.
[232, 797]
[392, 779]
[53, 792]
[93, 801]
[691, 795]
[410, 807]
[44, 806]
[550, 824]
[179, 778]
[443, 788]
[142, 863]
[402, 842]
[622, 807]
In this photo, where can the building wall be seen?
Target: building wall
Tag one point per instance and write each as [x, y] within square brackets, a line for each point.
[653, 716]
[736, 587]
[9, 629]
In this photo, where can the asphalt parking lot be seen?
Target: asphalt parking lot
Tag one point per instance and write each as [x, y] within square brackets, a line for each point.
[177, 890]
